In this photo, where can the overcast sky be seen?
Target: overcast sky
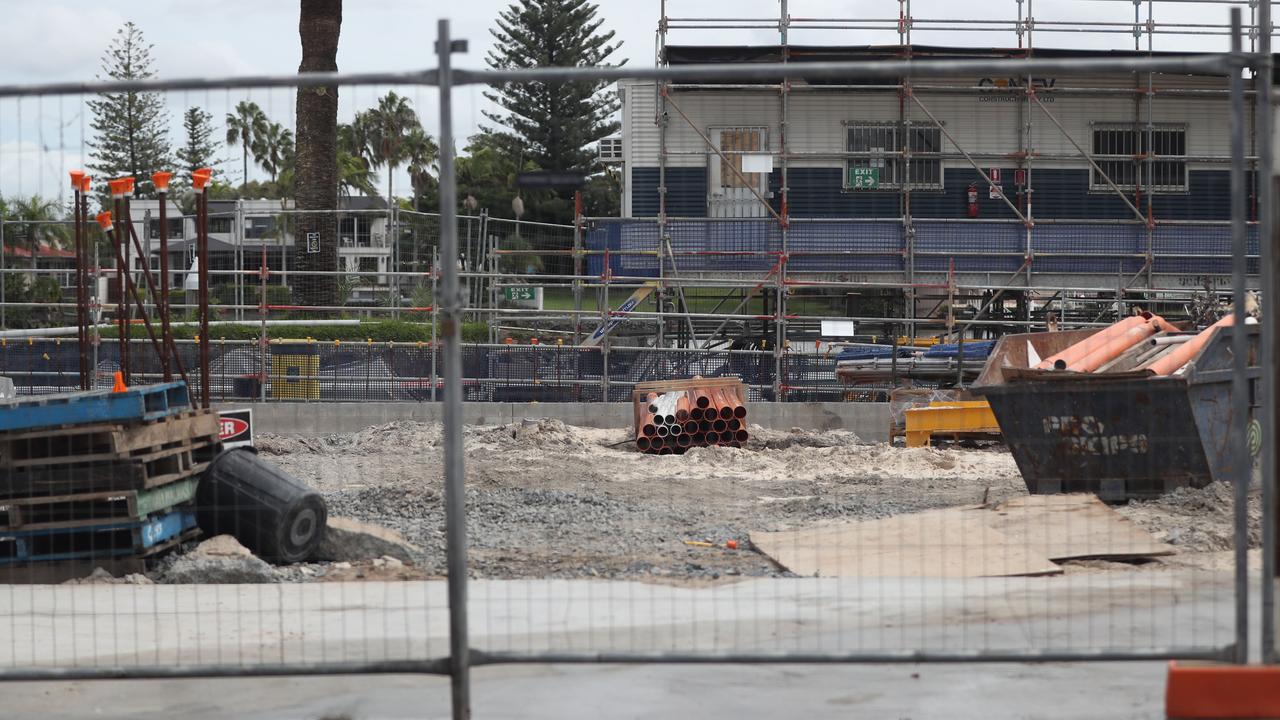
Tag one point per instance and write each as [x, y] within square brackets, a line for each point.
[49, 40]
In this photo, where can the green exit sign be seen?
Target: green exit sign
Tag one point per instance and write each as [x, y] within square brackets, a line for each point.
[520, 293]
[864, 178]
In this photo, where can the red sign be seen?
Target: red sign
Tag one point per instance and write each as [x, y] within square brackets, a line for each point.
[235, 428]
[1019, 177]
[229, 427]
[994, 174]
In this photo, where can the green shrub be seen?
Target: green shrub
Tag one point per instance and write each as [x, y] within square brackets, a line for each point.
[226, 294]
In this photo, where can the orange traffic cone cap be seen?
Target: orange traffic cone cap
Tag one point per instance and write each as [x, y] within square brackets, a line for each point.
[119, 385]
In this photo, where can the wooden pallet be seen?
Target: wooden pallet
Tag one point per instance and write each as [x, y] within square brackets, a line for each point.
[137, 539]
[147, 402]
[54, 572]
[105, 441]
[98, 508]
[138, 472]
[661, 386]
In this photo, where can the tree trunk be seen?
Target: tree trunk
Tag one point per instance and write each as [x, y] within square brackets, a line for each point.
[316, 188]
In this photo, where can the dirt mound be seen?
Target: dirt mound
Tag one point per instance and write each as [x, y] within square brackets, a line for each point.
[1196, 519]
[399, 436]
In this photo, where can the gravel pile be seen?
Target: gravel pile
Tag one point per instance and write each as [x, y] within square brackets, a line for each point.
[1196, 520]
[550, 500]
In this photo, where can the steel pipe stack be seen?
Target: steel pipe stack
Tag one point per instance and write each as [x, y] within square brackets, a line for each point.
[675, 415]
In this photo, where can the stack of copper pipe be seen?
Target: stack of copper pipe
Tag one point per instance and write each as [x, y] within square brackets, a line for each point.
[674, 421]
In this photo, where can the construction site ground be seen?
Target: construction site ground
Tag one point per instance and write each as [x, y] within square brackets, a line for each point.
[577, 545]
[549, 500]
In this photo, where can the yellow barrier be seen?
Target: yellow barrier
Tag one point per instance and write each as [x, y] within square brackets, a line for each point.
[961, 416]
[293, 377]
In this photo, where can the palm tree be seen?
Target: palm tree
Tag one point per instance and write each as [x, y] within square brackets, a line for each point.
[420, 154]
[383, 130]
[354, 172]
[316, 166]
[273, 148]
[243, 128]
[35, 221]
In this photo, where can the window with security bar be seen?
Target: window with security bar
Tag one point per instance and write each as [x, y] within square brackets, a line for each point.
[1121, 151]
[879, 161]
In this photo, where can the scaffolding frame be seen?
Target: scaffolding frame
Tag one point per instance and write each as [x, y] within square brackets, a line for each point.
[1023, 25]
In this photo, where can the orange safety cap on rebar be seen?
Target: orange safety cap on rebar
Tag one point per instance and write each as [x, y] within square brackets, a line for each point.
[120, 186]
[104, 220]
[161, 180]
[119, 385]
[77, 179]
[85, 183]
[1197, 691]
[200, 178]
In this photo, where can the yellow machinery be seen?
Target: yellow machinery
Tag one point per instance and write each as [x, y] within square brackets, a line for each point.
[950, 418]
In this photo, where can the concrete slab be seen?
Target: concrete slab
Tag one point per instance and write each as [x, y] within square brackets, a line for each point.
[1100, 691]
[114, 625]
[121, 625]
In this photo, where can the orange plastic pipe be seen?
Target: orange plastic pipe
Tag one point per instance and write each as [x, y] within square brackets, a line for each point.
[683, 405]
[1181, 354]
[725, 404]
[1093, 342]
[1116, 347]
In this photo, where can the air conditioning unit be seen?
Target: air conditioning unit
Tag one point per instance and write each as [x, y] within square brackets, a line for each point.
[611, 150]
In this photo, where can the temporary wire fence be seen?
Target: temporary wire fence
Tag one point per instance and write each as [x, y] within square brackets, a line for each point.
[561, 543]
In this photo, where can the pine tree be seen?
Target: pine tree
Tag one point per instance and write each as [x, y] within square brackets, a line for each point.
[131, 129]
[552, 124]
[199, 148]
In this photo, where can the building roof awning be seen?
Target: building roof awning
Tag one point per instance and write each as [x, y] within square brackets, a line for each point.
[746, 54]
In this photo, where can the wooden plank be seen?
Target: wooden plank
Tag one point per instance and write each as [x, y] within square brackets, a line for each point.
[1075, 526]
[164, 496]
[684, 384]
[950, 543]
[104, 441]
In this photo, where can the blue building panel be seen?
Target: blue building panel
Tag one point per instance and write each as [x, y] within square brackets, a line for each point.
[686, 191]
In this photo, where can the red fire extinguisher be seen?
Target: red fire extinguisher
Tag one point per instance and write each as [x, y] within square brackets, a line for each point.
[973, 200]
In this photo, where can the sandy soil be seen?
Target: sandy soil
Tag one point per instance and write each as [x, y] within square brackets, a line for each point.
[550, 500]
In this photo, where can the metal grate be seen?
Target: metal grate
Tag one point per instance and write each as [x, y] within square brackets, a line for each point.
[890, 147]
[1121, 151]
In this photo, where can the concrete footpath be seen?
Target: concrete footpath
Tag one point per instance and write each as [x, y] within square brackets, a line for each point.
[244, 625]
[870, 421]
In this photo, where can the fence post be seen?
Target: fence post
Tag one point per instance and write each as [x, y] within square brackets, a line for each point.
[435, 306]
[577, 267]
[454, 479]
[1265, 181]
[393, 236]
[1239, 449]
[4, 300]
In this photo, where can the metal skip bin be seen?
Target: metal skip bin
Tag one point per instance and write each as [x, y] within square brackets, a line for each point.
[1119, 435]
